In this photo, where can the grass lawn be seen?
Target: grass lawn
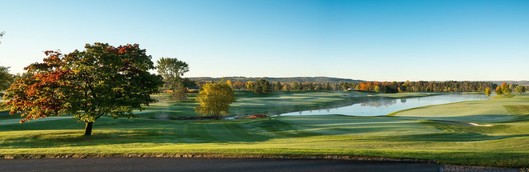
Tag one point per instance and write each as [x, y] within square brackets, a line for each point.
[491, 132]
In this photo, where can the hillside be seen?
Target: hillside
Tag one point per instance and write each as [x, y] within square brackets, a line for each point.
[522, 82]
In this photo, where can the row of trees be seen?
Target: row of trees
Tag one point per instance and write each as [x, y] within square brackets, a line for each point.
[265, 86]
[424, 86]
[262, 86]
[506, 89]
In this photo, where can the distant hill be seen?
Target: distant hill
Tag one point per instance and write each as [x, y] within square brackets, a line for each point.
[524, 83]
[320, 79]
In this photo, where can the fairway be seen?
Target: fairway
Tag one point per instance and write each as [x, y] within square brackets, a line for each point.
[490, 133]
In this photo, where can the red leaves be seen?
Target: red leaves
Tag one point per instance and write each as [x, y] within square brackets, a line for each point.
[256, 116]
[84, 83]
[35, 94]
[127, 48]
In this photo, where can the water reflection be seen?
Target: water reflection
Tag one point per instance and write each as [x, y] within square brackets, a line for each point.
[379, 103]
[383, 106]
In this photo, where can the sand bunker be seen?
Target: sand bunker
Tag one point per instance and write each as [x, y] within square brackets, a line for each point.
[480, 125]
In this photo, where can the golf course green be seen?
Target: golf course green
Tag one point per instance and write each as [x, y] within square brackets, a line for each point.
[492, 132]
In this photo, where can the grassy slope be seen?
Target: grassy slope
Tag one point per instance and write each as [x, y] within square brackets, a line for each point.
[440, 133]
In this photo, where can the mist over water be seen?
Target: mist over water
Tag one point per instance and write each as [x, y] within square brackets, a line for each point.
[384, 106]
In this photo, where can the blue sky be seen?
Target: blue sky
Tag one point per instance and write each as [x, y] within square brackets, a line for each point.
[368, 39]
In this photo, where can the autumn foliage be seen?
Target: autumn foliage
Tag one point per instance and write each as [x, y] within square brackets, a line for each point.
[36, 94]
[101, 80]
[214, 99]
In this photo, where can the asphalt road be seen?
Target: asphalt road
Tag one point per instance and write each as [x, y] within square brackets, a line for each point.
[199, 164]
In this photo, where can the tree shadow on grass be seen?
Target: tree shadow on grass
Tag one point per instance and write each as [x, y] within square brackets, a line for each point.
[67, 133]
[107, 131]
[68, 138]
[48, 134]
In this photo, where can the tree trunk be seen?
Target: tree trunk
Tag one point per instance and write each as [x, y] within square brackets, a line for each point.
[88, 128]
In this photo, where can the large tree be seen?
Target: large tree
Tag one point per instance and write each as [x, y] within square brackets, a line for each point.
[101, 80]
[172, 70]
[214, 99]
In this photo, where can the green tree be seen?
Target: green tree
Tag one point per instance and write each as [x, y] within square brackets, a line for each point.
[520, 89]
[487, 91]
[277, 86]
[100, 81]
[189, 83]
[214, 99]
[172, 70]
[5, 78]
[250, 85]
[262, 86]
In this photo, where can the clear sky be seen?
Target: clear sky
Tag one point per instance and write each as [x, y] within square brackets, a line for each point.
[368, 39]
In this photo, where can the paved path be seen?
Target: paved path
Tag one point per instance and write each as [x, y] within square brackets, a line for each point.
[198, 164]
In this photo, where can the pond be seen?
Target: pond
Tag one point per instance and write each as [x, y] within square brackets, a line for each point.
[383, 106]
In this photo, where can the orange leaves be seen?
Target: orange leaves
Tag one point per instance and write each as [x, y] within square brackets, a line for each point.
[127, 48]
[35, 94]
[100, 80]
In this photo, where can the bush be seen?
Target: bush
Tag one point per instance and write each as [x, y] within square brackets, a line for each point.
[256, 116]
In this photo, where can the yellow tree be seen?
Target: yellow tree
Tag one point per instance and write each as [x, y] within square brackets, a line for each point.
[505, 88]
[487, 91]
[520, 89]
[214, 99]
[498, 90]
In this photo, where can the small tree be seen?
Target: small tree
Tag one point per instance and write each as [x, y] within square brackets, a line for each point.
[498, 90]
[377, 89]
[5, 78]
[172, 70]
[101, 80]
[505, 88]
[520, 89]
[262, 86]
[229, 83]
[278, 86]
[214, 99]
[250, 85]
[487, 91]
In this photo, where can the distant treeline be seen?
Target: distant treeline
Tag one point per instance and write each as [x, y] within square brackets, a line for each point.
[321, 79]
[425, 86]
[263, 85]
